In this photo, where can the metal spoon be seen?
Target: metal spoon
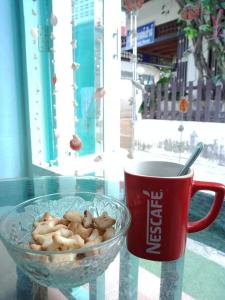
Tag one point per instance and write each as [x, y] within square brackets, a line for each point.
[191, 160]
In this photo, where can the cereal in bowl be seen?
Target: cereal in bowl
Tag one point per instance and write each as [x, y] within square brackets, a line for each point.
[73, 231]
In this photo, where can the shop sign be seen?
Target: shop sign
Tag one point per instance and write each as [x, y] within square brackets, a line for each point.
[145, 36]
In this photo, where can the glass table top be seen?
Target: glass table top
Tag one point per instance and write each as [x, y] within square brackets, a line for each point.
[128, 277]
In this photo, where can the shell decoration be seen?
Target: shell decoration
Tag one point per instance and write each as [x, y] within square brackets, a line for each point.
[183, 105]
[133, 4]
[53, 20]
[54, 79]
[34, 32]
[75, 143]
[75, 66]
[99, 93]
[190, 12]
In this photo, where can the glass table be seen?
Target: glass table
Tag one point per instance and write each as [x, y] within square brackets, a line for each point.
[127, 278]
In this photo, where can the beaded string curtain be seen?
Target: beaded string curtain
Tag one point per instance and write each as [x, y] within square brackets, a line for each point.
[64, 62]
[133, 6]
[47, 55]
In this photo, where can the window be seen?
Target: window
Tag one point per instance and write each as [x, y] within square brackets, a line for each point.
[64, 51]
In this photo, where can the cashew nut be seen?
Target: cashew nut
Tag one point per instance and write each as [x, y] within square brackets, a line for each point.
[44, 227]
[68, 243]
[95, 233]
[59, 227]
[64, 232]
[77, 228]
[70, 232]
[73, 216]
[64, 221]
[109, 233]
[87, 219]
[91, 243]
[104, 221]
[35, 247]
[45, 240]
[62, 258]
[46, 217]
[41, 258]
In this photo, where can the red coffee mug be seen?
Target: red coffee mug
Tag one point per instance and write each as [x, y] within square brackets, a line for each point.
[159, 203]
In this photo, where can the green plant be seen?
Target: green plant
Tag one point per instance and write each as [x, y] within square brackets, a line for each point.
[164, 76]
[205, 28]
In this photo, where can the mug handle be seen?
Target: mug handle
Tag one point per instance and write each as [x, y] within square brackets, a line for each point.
[219, 190]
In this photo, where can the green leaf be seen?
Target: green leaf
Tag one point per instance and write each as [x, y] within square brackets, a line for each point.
[141, 108]
[222, 5]
[190, 32]
[208, 5]
[205, 27]
[216, 79]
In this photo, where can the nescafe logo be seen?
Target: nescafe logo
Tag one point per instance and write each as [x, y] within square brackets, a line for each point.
[154, 220]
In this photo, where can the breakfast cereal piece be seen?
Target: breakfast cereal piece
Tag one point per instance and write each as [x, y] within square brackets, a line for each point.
[52, 247]
[73, 231]
[73, 242]
[64, 221]
[62, 258]
[95, 234]
[37, 257]
[44, 227]
[73, 216]
[96, 241]
[59, 227]
[109, 233]
[35, 246]
[46, 217]
[104, 221]
[65, 232]
[78, 239]
[87, 219]
[46, 240]
[43, 239]
[79, 229]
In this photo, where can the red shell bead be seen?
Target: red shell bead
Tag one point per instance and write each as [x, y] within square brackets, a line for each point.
[54, 80]
[183, 105]
[75, 143]
[190, 12]
[134, 4]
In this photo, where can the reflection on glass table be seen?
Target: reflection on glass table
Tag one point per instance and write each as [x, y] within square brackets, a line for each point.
[191, 277]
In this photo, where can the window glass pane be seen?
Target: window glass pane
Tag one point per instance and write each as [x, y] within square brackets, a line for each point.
[64, 48]
[38, 66]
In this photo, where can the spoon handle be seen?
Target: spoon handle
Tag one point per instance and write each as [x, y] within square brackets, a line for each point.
[191, 160]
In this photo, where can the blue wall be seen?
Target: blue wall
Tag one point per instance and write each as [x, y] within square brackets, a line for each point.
[14, 136]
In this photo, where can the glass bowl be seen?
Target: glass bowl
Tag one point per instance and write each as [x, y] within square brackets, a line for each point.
[59, 268]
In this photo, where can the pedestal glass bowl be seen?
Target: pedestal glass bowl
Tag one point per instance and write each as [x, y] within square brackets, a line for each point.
[56, 269]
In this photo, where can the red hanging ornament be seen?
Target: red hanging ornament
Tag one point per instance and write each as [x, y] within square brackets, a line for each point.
[54, 79]
[190, 12]
[133, 4]
[75, 143]
[183, 104]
